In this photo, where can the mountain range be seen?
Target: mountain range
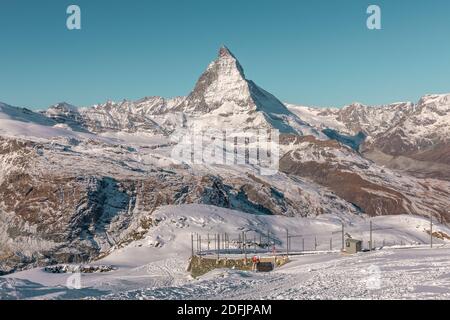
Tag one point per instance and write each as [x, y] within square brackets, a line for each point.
[78, 183]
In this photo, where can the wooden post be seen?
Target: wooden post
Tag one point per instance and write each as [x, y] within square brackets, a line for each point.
[208, 242]
[268, 240]
[315, 243]
[370, 242]
[303, 244]
[331, 244]
[200, 244]
[343, 240]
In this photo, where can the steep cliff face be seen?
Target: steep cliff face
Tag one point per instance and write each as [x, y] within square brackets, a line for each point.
[375, 190]
[60, 202]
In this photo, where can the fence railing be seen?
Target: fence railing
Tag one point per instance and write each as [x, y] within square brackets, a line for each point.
[251, 242]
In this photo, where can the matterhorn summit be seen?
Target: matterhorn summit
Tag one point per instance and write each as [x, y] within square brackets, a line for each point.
[224, 96]
[222, 82]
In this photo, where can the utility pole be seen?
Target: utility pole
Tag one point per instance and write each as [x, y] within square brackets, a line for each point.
[244, 236]
[208, 242]
[331, 244]
[431, 231]
[290, 242]
[343, 240]
[315, 243]
[218, 247]
[268, 240]
[192, 245]
[303, 244]
[287, 242]
[370, 236]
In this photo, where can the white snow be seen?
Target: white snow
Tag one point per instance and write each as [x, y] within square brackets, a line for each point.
[149, 271]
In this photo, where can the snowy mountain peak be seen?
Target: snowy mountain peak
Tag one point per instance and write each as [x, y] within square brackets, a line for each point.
[439, 103]
[443, 98]
[229, 63]
[223, 81]
[65, 107]
[224, 51]
[223, 93]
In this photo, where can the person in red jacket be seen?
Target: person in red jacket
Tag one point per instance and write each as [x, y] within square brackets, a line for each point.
[255, 261]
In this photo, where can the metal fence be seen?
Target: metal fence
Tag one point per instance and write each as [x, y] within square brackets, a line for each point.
[252, 242]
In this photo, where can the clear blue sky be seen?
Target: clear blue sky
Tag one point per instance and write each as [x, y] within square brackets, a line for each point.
[316, 52]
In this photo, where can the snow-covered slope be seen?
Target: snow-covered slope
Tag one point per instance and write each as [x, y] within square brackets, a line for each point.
[77, 197]
[154, 267]
[406, 136]
[356, 117]
[424, 129]
[421, 124]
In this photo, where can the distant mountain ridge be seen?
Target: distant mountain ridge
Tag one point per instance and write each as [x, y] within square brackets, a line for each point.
[222, 98]
[413, 137]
